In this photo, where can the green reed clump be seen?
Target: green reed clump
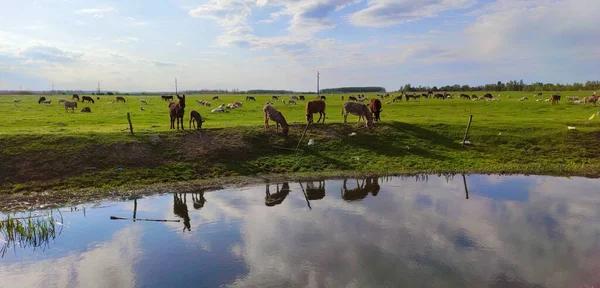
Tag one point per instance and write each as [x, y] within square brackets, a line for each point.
[34, 231]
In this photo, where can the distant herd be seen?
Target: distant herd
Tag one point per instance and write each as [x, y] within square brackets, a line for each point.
[354, 105]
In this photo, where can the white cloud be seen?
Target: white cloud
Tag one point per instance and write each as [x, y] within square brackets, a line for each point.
[179, 44]
[97, 12]
[126, 40]
[49, 54]
[33, 27]
[136, 22]
[381, 13]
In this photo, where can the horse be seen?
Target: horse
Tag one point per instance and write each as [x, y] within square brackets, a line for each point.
[70, 104]
[176, 111]
[75, 96]
[301, 97]
[167, 97]
[250, 98]
[214, 98]
[275, 97]
[352, 98]
[315, 106]
[86, 110]
[323, 98]
[61, 100]
[555, 99]
[375, 106]
[196, 120]
[42, 99]
[272, 114]
[120, 99]
[180, 209]
[359, 110]
[87, 98]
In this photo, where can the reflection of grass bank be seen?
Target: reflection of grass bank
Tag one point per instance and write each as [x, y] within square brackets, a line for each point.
[31, 231]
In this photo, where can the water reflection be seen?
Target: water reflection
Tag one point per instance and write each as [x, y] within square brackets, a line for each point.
[362, 189]
[180, 209]
[417, 232]
[279, 195]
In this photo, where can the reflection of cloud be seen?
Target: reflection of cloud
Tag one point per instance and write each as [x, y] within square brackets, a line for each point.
[108, 264]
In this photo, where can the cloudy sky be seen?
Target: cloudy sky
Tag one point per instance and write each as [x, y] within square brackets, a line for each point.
[246, 44]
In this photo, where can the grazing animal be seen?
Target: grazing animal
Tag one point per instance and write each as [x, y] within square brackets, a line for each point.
[167, 97]
[75, 96]
[361, 99]
[591, 99]
[572, 98]
[315, 106]
[488, 95]
[397, 98]
[352, 98]
[70, 104]
[86, 110]
[47, 102]
[539, 94]
[143, 101]
[272, 114]
[42, 99]
[362, 190]
[277, 197]
[176, 112]
[215, 98]
[275, 97]
[19, 100]
[120, 99]
[323, 98]
[465, 96]
[359, 110]
[87, 98]
[250, 98]
[375, 106]
[142, 109]
[196, 120]
[296, 97]
[523, 98]
[97, 98]
[61, 100]
[301, 97]
[474, 97]
[292, 102]
[555, 99]
[439, 96]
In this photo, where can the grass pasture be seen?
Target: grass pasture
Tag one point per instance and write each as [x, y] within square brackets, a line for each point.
[29, 117]
[44, 147]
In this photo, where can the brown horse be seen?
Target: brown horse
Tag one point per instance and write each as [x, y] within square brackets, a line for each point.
[277, 197]
[375, 106]
[176, 111]
[315, 106]
[366, 186]
[273, 114]
[196, 120]
[180, 209]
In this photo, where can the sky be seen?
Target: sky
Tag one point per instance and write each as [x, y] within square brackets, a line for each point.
[143, 45]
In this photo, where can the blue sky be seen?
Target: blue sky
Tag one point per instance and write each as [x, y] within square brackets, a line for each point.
[142, 45]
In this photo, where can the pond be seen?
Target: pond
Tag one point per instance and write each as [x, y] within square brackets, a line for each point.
[425, 231]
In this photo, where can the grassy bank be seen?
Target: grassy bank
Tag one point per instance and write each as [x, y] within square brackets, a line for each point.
[415, 137]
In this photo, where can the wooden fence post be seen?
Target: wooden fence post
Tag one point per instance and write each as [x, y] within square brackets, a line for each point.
[467, 132]
[130, 125]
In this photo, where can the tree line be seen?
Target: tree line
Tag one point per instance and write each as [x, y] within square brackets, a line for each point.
[512, 85]
[353, 90]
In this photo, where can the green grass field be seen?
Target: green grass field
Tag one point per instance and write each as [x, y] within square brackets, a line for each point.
[45, 148]
[29, 117]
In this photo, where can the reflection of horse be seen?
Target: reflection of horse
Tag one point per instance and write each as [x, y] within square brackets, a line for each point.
[315, 193]
[366, 186]
[180, 209]
[277, 197]
[198, 200]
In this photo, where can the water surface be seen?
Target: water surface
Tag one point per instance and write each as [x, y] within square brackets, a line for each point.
[427, 231]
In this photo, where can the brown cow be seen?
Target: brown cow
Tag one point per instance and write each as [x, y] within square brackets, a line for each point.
[591, 99]
[272, 114]
[555, 99]
[375, 106]
[315, 106]
[359, 110]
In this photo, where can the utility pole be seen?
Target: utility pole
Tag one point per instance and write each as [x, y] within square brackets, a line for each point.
[175, 86]
[52, 88]
[98, 87]
[318, 90]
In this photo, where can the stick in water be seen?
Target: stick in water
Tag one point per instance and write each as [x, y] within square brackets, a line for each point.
[139, 219]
